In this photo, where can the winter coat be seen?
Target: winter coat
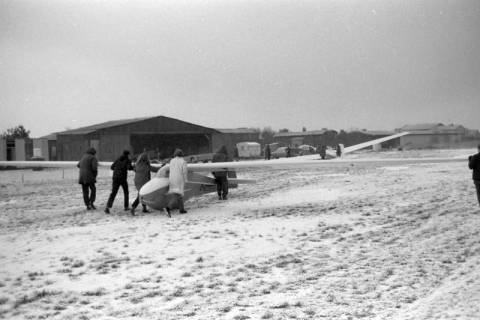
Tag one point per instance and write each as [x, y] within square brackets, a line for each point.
[323, 151]
[220, 156]
[120, 168]
[268, 154]
[88, 165]
[178, 175]
[474, 164]
[142, 173]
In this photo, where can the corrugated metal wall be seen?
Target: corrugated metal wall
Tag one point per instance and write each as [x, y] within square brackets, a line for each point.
[158, 133]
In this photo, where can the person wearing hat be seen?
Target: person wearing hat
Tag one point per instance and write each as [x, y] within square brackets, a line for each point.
[474, 164]
[120, 169]
[177, 179]
[88, 166]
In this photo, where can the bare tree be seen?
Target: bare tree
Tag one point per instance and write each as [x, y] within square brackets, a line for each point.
[16, 132]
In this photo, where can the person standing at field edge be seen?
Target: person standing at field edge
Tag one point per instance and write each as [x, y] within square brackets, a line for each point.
[177, 179]
[88, 166]
[474, 164]
[120, 169]
[267, 152]
[221, 177]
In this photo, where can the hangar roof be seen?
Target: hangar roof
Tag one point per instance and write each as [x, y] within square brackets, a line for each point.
[421, 126]
[118, 123]
[103, 125]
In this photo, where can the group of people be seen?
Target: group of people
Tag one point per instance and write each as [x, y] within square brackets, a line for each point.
[178, 173]
[88, 166]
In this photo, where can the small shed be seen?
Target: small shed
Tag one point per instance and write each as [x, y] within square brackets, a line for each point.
[23, 149]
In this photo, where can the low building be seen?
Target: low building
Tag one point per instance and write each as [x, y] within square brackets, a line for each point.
[434, 135]
[312, 138]
[230, 137]
[359, 136]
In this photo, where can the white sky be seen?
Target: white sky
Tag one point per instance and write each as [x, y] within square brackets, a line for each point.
[225, 64]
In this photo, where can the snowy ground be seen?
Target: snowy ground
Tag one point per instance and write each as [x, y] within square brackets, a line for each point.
[353, 242]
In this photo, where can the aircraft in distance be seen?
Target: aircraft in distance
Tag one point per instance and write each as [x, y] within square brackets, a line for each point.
[155, 192]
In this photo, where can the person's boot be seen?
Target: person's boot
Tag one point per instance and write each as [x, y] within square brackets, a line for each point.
[88, 207]
[219, 197]
[180, 206]
[145, 210]
[224, 197]
[107, 210]
[132, 211]
[167, 210]
[92, 206]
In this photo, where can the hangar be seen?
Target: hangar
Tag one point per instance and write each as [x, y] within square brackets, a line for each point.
[437, 135]
[158, 134]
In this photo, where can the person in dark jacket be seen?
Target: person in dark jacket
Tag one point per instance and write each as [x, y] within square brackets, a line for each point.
[221, 176]
[268, 154]
[288, 152]
[323, 151]
[142, 176]
[235, 153]
[88, 166]
[339, 151]
[120, 169]
[474, 164]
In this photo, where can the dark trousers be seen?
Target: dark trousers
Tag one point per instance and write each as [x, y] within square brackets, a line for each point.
[222, 185]
[477, 186]
[115, 186]
[137, 201]
[176, 200]
[86, 189]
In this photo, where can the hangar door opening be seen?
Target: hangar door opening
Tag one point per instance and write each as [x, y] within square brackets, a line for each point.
[162, 146]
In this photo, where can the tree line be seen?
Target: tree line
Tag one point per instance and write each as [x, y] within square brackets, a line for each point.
[17, 132]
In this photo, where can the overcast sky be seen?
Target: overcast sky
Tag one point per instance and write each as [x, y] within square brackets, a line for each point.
[226, 64]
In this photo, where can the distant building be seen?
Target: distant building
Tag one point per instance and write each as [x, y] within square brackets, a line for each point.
[45, 147]
[295, 139]
[436, 135]
[332, 138]
[359, 136]
[230, 137]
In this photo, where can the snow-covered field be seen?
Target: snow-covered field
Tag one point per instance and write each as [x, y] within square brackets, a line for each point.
[362, 241]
